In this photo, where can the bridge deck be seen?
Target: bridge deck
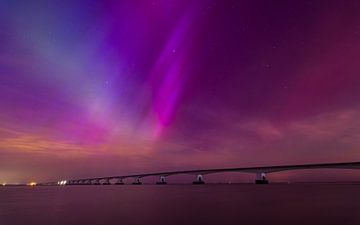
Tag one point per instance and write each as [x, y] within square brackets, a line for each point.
[259, 169]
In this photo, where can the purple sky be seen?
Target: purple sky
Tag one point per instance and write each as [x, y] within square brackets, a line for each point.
[92, 88]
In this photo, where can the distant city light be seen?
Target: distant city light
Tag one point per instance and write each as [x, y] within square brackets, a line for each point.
[4, 184]
[32, 184]
[63, 182]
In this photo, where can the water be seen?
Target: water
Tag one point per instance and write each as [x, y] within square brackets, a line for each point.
[182, 204]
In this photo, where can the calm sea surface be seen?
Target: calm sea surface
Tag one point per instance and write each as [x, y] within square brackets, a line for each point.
[337, 204]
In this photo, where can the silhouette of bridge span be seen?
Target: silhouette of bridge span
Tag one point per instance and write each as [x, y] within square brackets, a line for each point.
[259, 171]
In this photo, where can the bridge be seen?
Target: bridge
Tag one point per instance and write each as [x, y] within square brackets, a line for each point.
[260, 174]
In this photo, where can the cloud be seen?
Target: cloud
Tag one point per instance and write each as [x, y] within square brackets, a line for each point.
[36, 144]
[328, 126]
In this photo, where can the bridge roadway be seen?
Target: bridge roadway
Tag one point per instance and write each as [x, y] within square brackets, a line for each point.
[259, 171]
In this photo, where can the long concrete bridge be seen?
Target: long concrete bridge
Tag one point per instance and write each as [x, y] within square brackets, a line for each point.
[260, 174]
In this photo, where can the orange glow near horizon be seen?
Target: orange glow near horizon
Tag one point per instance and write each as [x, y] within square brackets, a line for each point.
[32, 184]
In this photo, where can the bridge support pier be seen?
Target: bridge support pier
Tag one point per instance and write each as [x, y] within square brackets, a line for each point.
[162, 180]
[137, 181]
[106, 182]
[199, 180]
[119, 181]
[96, 182]
[261, 178]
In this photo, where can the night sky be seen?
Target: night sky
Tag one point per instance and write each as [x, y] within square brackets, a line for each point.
[95, 88]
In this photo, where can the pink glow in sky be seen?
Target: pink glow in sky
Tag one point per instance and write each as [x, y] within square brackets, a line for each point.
[92, 88]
